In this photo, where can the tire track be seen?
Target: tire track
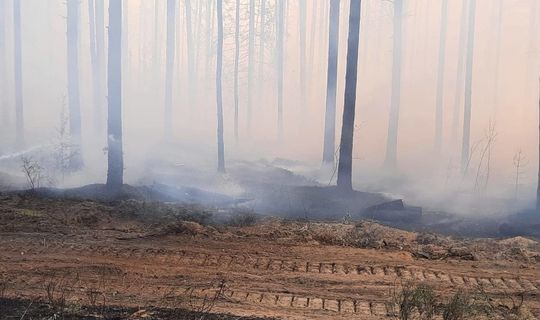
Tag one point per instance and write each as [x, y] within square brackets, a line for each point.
[273, 264]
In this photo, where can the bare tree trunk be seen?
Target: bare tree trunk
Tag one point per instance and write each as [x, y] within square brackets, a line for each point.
[169, 70]
[331, 85]
[280, 25]
[74, 103]
[344, 180]
[440, 78]
[460, 67]
[251, 61]
[393, 123]
[236, 65]
[19, 111]
[219, 94]
[302, 50]
[465, 150]
[115, 172]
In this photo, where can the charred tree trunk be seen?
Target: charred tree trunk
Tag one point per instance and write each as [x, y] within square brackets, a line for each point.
[17, 54]
[344, 180]
[460, 67]
[440, 78]
[115, 172]
[251, 61]
[219, 94]
[236, 65]
[331, 85]
[74, 104]
[280, 25]
[393, 123]
[465, 148]
[169, 70]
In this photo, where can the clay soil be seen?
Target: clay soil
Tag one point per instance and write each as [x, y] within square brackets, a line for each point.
[128, 260]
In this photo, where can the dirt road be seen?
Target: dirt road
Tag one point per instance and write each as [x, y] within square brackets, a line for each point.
[262, 278]
[92, 254]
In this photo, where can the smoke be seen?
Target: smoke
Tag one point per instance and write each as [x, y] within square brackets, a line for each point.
[422, 177]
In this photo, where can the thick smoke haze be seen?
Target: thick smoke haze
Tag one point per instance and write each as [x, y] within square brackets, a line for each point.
[505, 93]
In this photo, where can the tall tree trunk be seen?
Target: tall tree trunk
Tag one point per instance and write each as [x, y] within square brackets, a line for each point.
[236, 65]
[219, 94]
[115, 172]
[465, 148]
[393, 123]
[280, 25]
[251, 61]
[440, 78]
[344, 180]
[3, 66]
[302, 50]
[169, 70]
[19, 111]
[458, 96]
[74, 103]
[331, 85]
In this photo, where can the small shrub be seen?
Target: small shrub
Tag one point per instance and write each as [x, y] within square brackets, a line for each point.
[244, 219]
[459, 307]
[33, 172]
[415, 302]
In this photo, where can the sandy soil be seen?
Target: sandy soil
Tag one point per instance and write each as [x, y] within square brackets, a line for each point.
[102, 255]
